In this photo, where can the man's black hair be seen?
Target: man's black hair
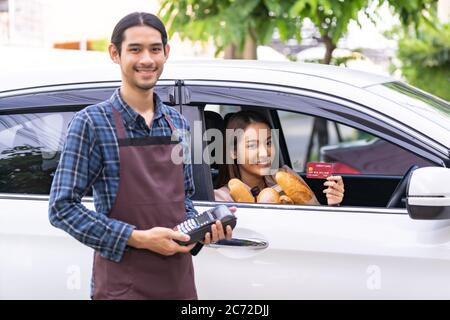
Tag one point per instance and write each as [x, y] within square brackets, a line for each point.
[137, 19]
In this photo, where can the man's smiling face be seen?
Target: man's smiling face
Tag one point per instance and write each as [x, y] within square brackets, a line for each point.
[142, 57]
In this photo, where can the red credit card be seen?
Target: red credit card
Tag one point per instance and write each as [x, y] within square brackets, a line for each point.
[319, 170]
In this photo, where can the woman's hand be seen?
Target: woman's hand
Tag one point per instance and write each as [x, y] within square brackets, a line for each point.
[335, 190]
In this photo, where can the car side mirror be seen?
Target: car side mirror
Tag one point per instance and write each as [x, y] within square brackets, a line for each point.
[428, 194]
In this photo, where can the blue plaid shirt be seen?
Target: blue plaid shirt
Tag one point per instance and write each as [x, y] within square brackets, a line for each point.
[90, 158]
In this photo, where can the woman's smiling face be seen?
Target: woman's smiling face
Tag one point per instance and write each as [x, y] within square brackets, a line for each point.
[255, 150]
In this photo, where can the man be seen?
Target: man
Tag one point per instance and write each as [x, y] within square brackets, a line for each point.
[122, 148]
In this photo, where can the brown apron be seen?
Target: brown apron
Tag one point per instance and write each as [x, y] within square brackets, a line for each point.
[151, 194]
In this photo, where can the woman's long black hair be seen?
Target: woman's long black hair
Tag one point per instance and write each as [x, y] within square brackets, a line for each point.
[229, 168]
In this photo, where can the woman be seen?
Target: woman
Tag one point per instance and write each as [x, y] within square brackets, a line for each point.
[249, 154]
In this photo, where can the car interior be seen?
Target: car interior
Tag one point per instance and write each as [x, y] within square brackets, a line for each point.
[361, 189]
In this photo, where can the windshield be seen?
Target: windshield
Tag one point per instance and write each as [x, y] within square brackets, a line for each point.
[428, 106]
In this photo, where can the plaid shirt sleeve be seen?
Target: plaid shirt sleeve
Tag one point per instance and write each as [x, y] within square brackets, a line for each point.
[79, 166]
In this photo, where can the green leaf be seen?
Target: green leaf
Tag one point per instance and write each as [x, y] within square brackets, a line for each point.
[282, 29]
[274, 6]
[297, 8]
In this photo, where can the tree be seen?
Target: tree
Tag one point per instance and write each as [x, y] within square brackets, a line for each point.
[425, 58]
[237, 27]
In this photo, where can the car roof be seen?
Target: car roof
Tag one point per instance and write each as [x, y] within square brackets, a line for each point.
[25, 68]
[28, 68]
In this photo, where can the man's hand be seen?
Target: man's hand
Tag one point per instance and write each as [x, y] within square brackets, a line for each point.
[159, 240]
[217, 232]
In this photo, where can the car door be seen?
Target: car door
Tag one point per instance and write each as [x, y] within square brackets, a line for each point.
[38, 261]
[312, 252]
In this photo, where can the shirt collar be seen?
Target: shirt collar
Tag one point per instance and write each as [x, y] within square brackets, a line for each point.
[129, 115]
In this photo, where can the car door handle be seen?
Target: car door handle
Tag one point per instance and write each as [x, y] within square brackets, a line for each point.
[253, 244]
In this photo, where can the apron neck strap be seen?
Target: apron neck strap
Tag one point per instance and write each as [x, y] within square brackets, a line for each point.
[172, 127]
[120, 128]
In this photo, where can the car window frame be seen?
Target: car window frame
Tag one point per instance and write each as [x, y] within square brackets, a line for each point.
[20, 102]
[254, 96]
[230, 93]
[225, 88]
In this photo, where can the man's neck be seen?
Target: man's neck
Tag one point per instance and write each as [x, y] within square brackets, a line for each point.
[140, 101]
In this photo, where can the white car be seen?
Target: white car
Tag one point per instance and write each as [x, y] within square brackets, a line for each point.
[371, 247]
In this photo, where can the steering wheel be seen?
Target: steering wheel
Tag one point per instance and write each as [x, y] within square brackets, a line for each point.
[396, 198]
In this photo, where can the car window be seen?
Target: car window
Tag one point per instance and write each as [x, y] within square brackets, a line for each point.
[223, 110]
[416, 101]
[371, 167]
[30, 147]
[353, 151]
[378, 153]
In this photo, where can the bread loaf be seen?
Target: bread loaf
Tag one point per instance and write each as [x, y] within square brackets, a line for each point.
[268, 195]
[293, 187]
[284, 199]
[239, 191]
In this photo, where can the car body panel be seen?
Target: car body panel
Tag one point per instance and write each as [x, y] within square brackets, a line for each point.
[368, 257]
[39, 261]
[312, 254]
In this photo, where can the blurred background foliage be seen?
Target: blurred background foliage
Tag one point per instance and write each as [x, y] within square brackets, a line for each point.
[424, 57]
[237, 27]
[98, 44]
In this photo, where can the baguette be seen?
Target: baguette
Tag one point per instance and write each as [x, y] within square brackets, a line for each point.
[293, 187]
[268, 195]
[239, 191]
[284, 199]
